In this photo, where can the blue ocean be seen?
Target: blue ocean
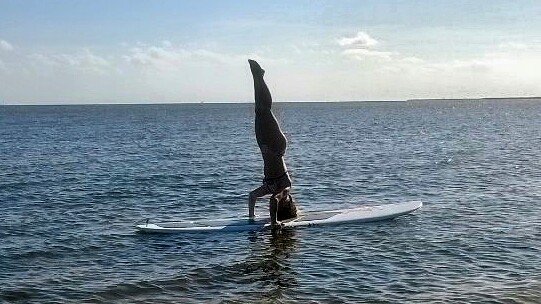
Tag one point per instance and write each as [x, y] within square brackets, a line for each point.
[74, 180]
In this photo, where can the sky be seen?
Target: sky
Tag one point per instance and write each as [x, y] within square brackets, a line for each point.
[131, 51]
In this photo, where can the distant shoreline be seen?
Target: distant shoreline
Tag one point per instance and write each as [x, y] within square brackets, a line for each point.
[247, 102]
[469, 99]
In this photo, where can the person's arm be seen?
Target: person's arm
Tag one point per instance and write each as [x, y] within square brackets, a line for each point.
[259, 192]
[273, 207]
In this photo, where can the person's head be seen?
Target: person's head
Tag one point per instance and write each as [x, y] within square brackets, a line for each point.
[283, 205]
[281, 196]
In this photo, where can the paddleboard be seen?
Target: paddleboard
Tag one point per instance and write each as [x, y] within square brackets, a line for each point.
[355, 215]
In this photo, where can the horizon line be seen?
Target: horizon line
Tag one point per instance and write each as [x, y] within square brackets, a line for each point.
[56, 103]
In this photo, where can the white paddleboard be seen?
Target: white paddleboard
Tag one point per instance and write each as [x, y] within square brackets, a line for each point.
[355, 215]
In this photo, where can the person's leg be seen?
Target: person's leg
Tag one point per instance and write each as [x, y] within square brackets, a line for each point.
[273, 210]
[263, 99]
[267, 130]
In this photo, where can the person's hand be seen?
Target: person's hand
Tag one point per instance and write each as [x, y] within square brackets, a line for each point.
[276, 226]
[251, 205]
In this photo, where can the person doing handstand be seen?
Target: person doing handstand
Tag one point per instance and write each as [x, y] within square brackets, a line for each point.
[272, 143]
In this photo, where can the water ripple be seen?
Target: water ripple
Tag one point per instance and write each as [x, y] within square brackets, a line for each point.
[74, 180]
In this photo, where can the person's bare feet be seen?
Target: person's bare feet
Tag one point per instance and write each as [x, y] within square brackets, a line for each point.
[256, 68]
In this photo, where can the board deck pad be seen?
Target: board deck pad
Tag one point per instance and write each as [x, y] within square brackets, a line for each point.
[360, 214]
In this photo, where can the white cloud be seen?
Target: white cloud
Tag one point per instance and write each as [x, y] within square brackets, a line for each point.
[168, 57]
[167, 43]
[509, 70]
[412, 60]
[513, 46]
[158, 57]
[84, 60]
[6, 46]
[361, 54]
[473, 65]
[413, 65]
[361, 41]
[166, 72]
[361, 46]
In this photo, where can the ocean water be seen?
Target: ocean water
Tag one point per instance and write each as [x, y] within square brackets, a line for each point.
[75, 179]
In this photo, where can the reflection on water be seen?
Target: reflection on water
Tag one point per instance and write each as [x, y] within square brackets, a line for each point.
[269, 264]
[265, 274]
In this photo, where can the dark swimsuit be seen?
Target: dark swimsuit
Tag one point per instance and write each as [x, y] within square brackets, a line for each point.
[277, 184]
